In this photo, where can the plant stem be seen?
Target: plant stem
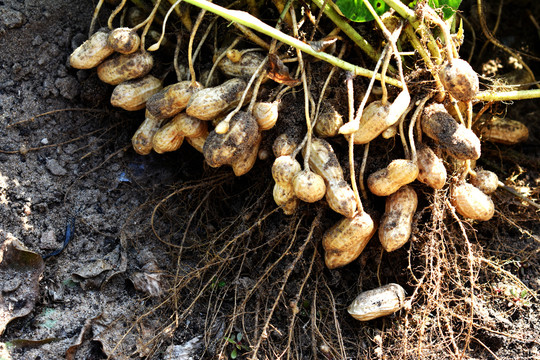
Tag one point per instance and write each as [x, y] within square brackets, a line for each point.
[348, 30]
[508, 95]
[252, 22]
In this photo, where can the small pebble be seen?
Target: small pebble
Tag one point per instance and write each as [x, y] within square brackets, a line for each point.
[55, 168]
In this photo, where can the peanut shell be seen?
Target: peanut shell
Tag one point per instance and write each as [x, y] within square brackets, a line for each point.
[378, 302]
[132, 95]
[396, 224]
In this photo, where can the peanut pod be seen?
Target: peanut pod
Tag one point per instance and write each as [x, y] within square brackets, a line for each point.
[92, 52]
[125, 67]
[198, 141]
[486, 181]
[346, 240]
[396, 224]
[172, 99]
[142, 139]
[455, 138]
[132, 95]
[459, 79]
[284, 170]
[324, 162]
[471, 202]
[388, 180]
[124, 40]
[328, 123]
[208, 103]
[504, 131]
[308, 186]
[245, 160]
[378, 302]
[266, 114]
[240, 65]
[284, 144]
[431, 169]
[221, 149]
[171, 135]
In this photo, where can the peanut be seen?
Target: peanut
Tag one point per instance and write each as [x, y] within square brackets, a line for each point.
[388, 180]
[328, 123]
[378, 302]
[266, 114]
[396, 224]
[486, 181]
[208, 103]
[124, 40]
[431, 170]
[132, 95]
[284, 144]
[240, 65]
[172, 99]
[455, 138]
[245, 161]
[324, 162]
[92, 52]
[284, 170]
[170, 137]
[308, 186]
[346, 240]
[504, 131]
[221, 149]
[471, 202]
[198, 141]
[125, 67]
[459, 79]
[142, 139]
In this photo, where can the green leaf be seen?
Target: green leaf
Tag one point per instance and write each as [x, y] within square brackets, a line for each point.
[523, 294]
[355, 10]
[448, 7]
[239, 337]
[234, 354]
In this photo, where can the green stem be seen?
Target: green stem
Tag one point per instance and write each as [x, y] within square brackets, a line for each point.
[508, 95]
[348, 30]
[252, 22]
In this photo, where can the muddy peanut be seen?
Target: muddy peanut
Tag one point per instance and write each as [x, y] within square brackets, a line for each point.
[308, 186]
[486, 181]
[346, 240]
[221, 149]
[132, 95]
[324, 162]
[92, 52]
[459, 79]
[208, 103]
[455, 138]
[142, 139]
[431, 169]
[245, 160]
[124, 40]
[284, 145]
[171, 136]
[504, 131]
[396, 224]
[388, 180]
[471, 202]
[378, 302]
[172, 99]
[125, 67]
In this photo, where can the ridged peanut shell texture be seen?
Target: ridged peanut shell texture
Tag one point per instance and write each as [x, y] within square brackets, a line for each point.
[266, 114]
[170, 137]
[328, 123]
[378, 302]
[459, 79]
[125, 67]
[471, 202]
[208, 103]
[142, 139]
[346, 240]
[132, 95]
[92, 52]
[454, 138]
[221, 149]
[504, 131]
[172, 99]
[124, 40]
[388, 180]
[396, 224]
[431, 169]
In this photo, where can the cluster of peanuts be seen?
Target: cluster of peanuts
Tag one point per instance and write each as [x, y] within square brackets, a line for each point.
[206, 119]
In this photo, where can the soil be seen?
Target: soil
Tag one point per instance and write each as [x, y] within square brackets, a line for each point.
[72, 175]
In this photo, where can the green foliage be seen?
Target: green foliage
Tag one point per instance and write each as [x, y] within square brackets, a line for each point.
[238, 346]
[355, 10]
[448, 7]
